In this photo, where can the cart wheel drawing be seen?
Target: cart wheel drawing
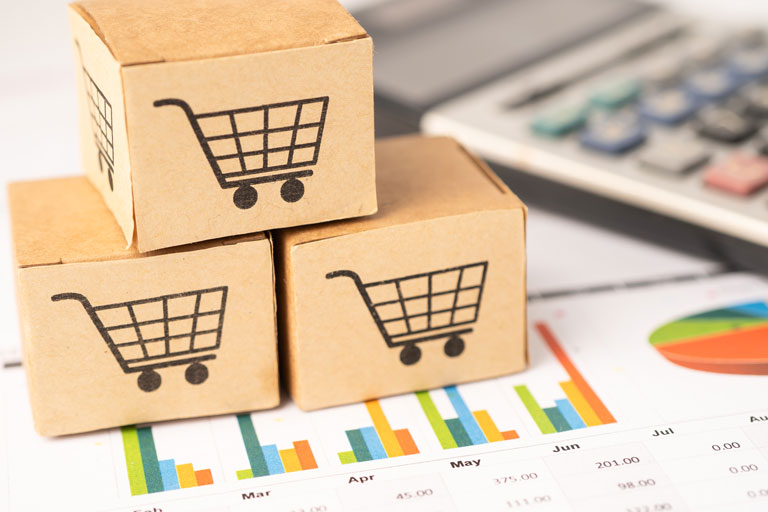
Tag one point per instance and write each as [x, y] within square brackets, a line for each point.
[454, 346]
[196, 373]
[292, 190]
[149, 380]
[410, 354]
[245, 197]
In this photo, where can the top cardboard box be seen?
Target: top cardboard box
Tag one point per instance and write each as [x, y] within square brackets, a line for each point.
[205, 119]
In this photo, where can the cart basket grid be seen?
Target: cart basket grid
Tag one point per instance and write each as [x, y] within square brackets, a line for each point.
[242, 143]
[422, 307]
[161, 331]
[100, 112]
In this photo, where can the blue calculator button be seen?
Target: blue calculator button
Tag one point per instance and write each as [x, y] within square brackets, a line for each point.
[669, 106]
[749, 63]
[615, 133]
[712, 83]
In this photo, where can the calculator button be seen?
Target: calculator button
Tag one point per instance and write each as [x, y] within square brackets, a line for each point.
[675, 157]
[614, 133]
[724, 125]
[756, 100]
[749, 63]
[668, 106]
[705, 50]
[740, 174]
[662, 72]
[560, 120]
[616, 94]
[712, 83]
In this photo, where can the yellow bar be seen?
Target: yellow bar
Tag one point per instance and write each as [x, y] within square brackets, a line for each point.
[290, 460]
[187, 476]
[488, 426]
[580, 404]
[386, 435]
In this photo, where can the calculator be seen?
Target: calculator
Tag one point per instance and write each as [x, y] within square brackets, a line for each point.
[625, 113]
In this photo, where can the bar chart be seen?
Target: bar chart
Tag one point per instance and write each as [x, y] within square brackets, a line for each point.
[147, 474]
[468, 428]
[379, 441]
[268, 459]
[580, 408]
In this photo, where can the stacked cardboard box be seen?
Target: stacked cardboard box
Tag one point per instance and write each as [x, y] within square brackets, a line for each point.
[147, 291]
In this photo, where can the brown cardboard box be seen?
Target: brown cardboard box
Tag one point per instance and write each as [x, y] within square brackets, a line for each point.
[163, 85]
[85, 302]
[445, 222]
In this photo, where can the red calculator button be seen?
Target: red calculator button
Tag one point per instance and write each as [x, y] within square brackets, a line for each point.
[740, 174]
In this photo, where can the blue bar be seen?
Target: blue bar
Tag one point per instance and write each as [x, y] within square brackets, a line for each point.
[373, 443]
[168, 474]
[465, 416]
[569, 413]
[274, 464]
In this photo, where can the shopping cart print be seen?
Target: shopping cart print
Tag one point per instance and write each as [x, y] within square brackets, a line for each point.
[424, 307]
[170, 330]
[263, 144]
[100, 111]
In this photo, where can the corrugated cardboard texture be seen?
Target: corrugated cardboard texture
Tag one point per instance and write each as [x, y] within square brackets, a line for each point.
[246, 66]
[101, 109]
[76, 381]
[65, 220]
[142, 31]
[177, 198]
[440, 209]
[420, 178]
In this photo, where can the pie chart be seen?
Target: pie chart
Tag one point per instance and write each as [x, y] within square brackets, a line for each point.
[727, 340]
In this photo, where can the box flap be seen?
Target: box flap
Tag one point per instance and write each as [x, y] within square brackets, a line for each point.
[144, 31]
[66, 221]
[420, 178]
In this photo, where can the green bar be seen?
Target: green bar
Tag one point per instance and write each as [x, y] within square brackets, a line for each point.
[539, 416]
[347, 457]
[358, 445]
[133, 461]
[438, 425]
[557, 419]
[252, 446]
[244, 474]
[152, 474]
[458, 432]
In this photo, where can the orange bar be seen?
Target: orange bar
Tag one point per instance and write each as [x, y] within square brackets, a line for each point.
[510, 434]
[406, 442]
[487, 425]
[589, 394]
[306, 457]
[204, 477]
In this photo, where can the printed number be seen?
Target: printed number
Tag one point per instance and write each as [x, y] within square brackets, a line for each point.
[527, 502]
[726, 446]
[656, 507]
[744, 468]
[416, 494]
[758, 493]
[648, 482]
[515, 478]
[613, 463]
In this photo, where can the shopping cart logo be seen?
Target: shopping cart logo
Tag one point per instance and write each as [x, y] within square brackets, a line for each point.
[100, 112]
[424, 307]
[264, 144]
[170, 330]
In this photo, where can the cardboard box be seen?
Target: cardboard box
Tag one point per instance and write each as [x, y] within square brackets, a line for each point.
[114, 337]
[428, 292]
[204, 119]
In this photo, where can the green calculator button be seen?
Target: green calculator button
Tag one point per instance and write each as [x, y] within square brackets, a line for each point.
[559, 121]
[616, 94]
